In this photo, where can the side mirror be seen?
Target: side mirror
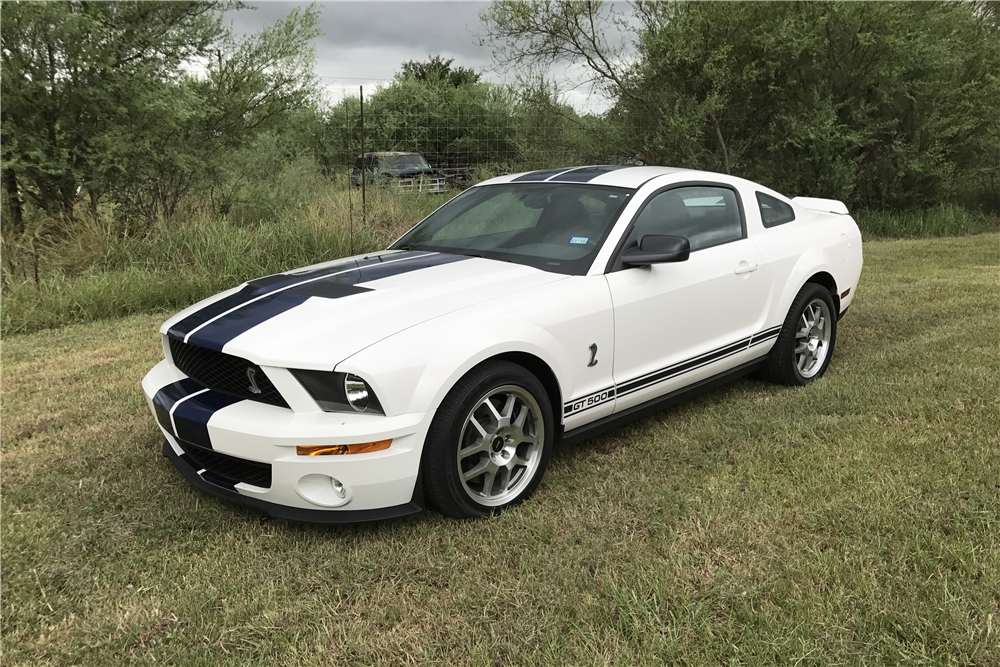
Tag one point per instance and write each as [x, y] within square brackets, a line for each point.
[656, 249]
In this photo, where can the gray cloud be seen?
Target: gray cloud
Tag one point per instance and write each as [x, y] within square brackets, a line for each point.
[379, 32]
[365, 43]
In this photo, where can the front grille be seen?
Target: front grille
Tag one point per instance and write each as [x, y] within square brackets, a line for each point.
[224, 372]
[238, 470]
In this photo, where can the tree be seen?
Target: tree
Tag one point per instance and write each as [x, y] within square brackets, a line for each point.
[439, 70]
[533, 35]
[183, 138]
[71, 72]
[881, 104]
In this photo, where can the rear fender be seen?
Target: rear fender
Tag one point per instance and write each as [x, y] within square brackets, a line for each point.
[810, 264]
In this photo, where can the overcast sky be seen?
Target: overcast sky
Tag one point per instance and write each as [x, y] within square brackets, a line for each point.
[365, 42]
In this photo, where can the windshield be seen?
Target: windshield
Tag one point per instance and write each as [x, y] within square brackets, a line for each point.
[403, 163]
[556, 227]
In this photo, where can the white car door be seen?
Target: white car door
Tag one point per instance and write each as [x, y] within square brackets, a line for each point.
[678, 323]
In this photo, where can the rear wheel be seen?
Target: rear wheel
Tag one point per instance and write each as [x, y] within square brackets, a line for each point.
[805, 345]
[489, 443]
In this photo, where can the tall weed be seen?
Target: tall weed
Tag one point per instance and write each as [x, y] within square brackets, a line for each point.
[96, 270]
[935, 222]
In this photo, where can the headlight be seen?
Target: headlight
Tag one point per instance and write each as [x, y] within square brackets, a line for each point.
[357, 392]
[339, 392]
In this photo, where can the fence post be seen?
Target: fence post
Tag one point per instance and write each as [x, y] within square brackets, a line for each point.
[364, 165]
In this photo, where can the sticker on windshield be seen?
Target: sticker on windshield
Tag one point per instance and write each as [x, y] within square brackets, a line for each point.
[578, 240]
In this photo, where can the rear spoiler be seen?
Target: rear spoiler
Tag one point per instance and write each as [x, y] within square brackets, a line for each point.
[822, 205]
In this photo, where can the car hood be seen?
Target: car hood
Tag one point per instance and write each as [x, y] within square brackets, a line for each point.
[318, 316]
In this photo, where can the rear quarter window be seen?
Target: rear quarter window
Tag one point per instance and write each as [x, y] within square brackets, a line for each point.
[773, 211]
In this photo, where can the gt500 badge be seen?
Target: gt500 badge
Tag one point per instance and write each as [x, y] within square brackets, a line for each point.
[590, 401]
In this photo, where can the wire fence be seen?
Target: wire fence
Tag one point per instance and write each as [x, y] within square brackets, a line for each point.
[463, 132]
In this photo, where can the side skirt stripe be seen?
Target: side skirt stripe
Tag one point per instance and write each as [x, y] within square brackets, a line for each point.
[765, 335]
[594, 399]
[681, 371]
[681, 367]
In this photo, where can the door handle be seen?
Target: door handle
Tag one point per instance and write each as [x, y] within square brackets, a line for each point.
[745, 267]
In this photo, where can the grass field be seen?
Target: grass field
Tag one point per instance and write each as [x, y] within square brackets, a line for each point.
[851, 522]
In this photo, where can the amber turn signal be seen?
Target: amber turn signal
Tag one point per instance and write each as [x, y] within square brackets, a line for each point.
[363, 448]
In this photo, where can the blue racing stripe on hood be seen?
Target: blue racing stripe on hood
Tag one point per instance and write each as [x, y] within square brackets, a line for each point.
[259, 287]
[216, 334]
[214, 326]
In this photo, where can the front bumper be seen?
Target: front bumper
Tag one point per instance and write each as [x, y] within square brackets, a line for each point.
[191, 474]
[245, 451]
[432, 186]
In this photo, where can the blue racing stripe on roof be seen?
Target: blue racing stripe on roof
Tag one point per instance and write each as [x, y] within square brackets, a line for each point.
[584, 174]
[543, 175]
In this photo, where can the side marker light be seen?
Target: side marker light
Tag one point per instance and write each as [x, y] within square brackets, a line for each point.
[363, 448]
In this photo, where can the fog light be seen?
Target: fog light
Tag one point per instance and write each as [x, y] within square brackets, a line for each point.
[323, 490]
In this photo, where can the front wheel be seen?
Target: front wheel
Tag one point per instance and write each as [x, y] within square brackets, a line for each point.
[489, 443]
[805, 345]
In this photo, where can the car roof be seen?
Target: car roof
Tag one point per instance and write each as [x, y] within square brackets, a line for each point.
[622, 176]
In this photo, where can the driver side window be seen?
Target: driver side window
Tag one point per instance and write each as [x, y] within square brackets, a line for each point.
[706, 216]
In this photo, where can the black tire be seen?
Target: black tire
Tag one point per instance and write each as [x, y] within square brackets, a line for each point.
[452, 432]
[782, 366]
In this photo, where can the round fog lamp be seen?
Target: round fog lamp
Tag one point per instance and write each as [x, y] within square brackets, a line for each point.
[323, 490]
[356, 391]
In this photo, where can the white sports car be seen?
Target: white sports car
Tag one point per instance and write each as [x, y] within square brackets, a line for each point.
[529, 311]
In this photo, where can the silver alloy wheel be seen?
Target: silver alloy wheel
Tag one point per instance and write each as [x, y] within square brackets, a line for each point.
[501, 445]
[812, 338]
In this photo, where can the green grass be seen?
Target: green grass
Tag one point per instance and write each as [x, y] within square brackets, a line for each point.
[851, 522]
[936, 222]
